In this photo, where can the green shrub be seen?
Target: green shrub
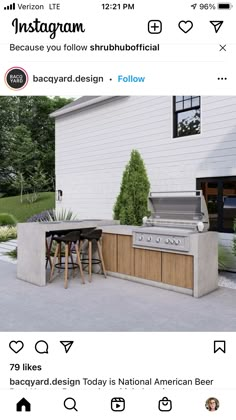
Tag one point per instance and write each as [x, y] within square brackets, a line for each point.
[225, 258]
[131, 204]
[7, 233]
[7, 219]
[12, 254]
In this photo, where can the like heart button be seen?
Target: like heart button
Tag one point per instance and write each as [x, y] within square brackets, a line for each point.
[185, 25]
[16, 346]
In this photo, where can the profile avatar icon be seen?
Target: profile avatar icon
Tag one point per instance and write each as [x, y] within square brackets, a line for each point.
[212, 404]
[16, 78]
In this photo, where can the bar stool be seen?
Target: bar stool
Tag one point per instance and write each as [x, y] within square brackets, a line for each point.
[70, 238]
[53, 235]
[94, 235]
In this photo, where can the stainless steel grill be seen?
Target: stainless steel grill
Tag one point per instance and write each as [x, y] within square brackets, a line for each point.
[174, 217]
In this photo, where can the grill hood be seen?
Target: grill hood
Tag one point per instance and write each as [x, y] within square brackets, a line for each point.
[186, 209]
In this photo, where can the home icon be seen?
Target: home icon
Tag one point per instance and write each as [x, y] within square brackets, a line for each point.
[23, 405]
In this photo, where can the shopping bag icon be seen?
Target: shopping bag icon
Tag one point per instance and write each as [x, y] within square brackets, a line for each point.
[165, 404]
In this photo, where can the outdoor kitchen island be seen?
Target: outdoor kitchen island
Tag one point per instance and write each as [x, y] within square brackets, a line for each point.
[193, 272]
[173, 249]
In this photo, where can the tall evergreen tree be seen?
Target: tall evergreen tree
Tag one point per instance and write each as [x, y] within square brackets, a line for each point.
[131, 203]
[25, 119]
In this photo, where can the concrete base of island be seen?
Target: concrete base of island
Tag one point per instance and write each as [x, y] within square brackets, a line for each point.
[152, 283]
[31, 250]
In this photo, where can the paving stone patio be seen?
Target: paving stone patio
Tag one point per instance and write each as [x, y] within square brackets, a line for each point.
[6, 247]
[109, 305]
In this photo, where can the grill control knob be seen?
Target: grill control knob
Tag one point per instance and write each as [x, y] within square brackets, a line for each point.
[177, 241]
[171, 241]
[158, 240]
[149, 239]
[140, 238]
[167, 241]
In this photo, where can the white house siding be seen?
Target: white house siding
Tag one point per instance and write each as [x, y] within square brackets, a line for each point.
[93, 146]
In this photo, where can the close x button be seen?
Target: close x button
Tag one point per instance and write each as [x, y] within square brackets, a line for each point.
[222, 47]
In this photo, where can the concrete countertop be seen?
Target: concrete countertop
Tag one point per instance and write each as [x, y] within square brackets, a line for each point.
[64, 225]
[119, 229]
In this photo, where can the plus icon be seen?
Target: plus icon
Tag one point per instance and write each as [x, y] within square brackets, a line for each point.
[154, 26]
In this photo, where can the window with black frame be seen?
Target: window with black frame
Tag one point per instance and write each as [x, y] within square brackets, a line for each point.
[187, 115]
[220, 196]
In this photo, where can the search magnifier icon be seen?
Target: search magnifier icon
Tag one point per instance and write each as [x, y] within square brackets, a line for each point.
[70, 404]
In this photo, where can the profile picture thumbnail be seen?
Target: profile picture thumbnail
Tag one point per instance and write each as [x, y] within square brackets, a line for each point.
[16, 78]
[212, 404]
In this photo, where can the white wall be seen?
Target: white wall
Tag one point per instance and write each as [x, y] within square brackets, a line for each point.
[93, 146]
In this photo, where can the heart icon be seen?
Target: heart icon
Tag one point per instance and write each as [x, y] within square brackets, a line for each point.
[16, 346]
[185, 25]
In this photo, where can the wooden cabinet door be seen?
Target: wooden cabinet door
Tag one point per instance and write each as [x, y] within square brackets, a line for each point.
[177, 270]
[147, 264]
[109, 251]
[125, 255]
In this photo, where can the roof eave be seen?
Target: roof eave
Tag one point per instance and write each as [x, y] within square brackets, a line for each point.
[77, 107]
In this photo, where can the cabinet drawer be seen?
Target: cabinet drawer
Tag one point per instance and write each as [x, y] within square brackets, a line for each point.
[109, 250]
[177, 270]
[147, 264]
[125, 255]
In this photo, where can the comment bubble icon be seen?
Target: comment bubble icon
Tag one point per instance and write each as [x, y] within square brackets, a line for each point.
[41, 347]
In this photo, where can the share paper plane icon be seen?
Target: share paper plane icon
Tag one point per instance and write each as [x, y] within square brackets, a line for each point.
[67, 345]
[217, 24]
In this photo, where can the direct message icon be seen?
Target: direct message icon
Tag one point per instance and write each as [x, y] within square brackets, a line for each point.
[117, 404]
[67, 345]
[165, 404]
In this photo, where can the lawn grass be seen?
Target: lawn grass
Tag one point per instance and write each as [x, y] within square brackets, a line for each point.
[24, 211]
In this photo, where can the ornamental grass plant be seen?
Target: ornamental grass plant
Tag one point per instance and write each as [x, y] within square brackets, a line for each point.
[7, 233]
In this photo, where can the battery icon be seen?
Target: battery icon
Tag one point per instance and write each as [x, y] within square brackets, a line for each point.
[224, 6]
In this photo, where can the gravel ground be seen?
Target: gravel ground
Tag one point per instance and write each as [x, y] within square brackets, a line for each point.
[227, 279]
